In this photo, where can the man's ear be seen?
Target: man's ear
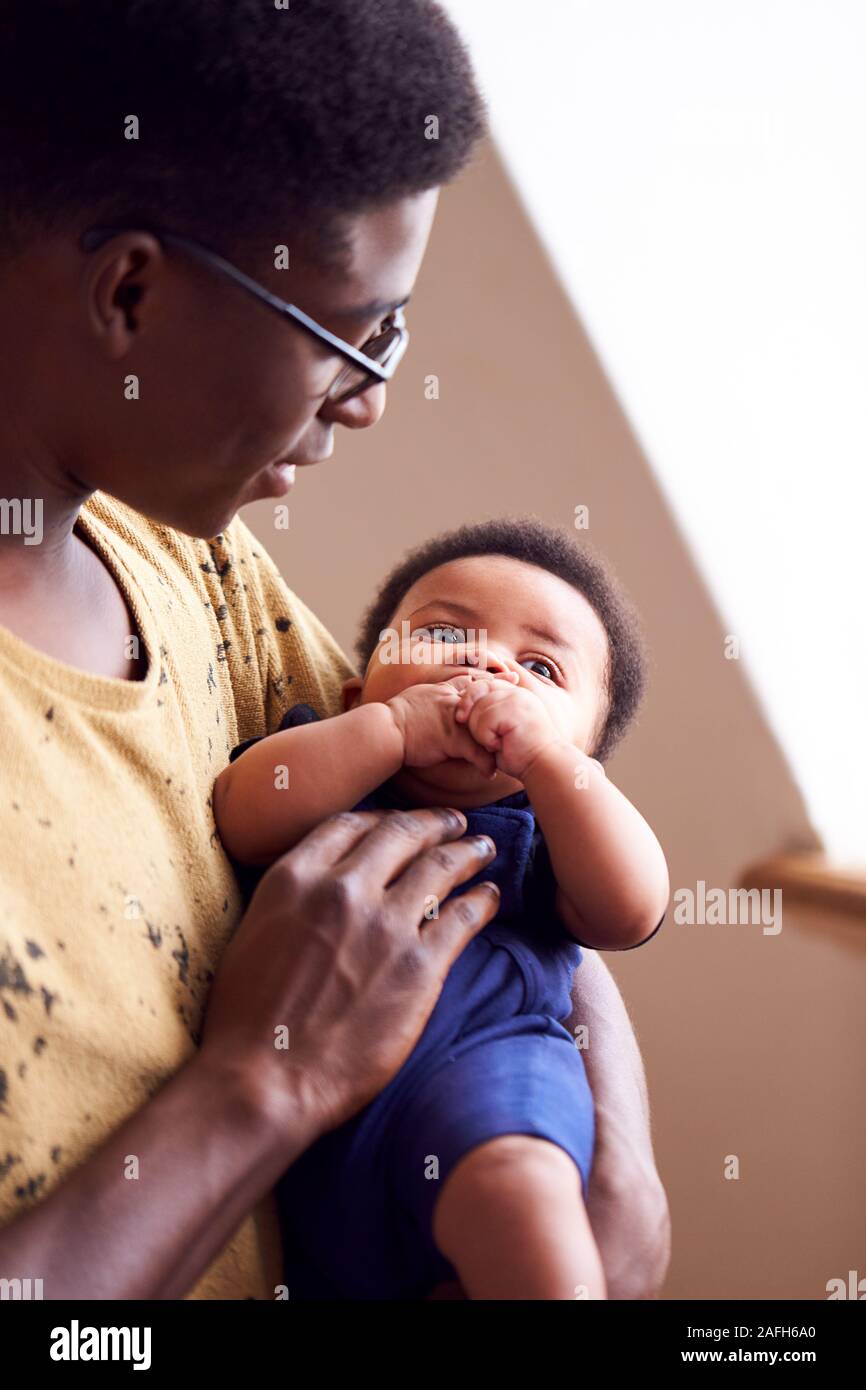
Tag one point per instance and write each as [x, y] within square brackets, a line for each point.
[352, 692]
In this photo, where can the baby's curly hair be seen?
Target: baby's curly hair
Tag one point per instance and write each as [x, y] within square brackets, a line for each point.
[531, 541]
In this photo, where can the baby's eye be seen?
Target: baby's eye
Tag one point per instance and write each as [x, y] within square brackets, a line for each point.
[546, 670]
[441, 632]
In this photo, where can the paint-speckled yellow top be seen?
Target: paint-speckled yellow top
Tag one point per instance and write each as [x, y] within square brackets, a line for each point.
[116, 898]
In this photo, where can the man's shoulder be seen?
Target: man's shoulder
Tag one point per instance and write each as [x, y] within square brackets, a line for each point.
[271, 645]
[232, 570]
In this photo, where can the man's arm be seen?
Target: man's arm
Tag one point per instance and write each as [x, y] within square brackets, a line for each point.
[336, 947]
[627, 1205]
[209, 1146]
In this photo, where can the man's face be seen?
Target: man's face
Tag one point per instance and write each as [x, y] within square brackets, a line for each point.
[230, 394]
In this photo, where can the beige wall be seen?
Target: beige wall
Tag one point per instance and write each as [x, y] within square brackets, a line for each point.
[754, 1044]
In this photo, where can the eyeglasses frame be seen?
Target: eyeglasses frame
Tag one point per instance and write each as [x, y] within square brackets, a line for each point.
[378, 372]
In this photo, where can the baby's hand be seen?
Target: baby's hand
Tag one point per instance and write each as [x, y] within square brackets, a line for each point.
[424, 714]
[509, 720]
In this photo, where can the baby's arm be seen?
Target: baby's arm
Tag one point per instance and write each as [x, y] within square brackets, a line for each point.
[288, 782]
[285, 784]
[609, 866]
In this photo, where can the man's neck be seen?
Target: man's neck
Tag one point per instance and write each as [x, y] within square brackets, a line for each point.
[38, 513]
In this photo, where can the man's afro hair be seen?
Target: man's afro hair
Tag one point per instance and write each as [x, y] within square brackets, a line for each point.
[247, 113]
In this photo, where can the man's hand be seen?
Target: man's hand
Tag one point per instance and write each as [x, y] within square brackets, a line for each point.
[335, 949]
[327, 984]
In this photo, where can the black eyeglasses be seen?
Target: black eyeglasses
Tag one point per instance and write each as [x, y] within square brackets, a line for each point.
[375, 361]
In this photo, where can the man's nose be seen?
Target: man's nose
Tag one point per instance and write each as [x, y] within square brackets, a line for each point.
[359, 412]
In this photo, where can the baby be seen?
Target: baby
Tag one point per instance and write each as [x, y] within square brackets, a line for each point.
[501, 665]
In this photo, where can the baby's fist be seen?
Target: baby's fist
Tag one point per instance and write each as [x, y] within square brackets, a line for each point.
[424, 716]
[508, 720]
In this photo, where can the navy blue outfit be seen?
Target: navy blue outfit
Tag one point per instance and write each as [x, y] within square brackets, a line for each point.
[356, 1208]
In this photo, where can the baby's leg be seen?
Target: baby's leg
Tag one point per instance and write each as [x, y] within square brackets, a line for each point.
[512, 1221]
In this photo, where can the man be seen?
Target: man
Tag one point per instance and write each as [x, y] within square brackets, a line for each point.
[173, 174]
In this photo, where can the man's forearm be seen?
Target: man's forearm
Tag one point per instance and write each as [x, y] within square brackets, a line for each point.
[612, 1057]
[208, 1148]
[627, 1205]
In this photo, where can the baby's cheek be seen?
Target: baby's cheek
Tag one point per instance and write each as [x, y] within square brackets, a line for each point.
[385, 680]
[584, 729]
[566, 719]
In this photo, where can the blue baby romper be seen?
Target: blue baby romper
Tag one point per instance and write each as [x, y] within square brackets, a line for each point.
[356, 1207]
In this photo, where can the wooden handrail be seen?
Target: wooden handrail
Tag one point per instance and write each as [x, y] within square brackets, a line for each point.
[812, 876]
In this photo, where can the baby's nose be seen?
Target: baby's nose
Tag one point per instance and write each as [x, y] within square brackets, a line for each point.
[488, 661]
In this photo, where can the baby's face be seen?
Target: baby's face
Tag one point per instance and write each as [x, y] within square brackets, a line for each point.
[519, 617]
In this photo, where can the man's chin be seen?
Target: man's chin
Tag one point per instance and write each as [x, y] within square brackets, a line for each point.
[202, 520]
[264, 484]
